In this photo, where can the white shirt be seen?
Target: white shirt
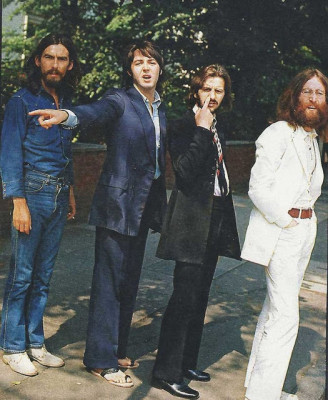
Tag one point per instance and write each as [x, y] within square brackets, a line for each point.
[305, 200]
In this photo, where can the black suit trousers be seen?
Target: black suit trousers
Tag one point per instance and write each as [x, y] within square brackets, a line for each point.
[183, 321]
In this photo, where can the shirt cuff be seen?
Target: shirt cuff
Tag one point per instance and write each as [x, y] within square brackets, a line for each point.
[13, 189]
[71, 121]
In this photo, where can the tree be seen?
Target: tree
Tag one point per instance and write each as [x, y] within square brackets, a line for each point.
[261, 42]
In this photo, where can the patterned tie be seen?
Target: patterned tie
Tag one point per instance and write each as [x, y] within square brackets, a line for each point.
[219, 162]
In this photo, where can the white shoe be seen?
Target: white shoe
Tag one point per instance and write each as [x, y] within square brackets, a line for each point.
[19, 362]
[43, 357]
[288, 396]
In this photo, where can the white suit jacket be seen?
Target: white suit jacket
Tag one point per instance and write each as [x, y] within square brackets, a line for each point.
[278, 178]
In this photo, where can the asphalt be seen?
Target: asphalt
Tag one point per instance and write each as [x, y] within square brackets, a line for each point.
[236, 297]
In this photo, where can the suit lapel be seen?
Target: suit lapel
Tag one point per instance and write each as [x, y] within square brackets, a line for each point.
[317, 173]
[298, 140]
[145, 119]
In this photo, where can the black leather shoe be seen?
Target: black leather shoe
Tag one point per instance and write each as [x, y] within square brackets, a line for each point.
[197, 375]
[177, 389]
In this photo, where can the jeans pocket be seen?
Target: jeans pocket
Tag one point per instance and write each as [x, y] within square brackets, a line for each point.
[33, 185]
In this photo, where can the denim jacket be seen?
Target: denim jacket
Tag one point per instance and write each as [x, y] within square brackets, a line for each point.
[26, 145]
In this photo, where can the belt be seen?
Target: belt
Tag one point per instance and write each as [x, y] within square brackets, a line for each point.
[50, 178]
[301, 213]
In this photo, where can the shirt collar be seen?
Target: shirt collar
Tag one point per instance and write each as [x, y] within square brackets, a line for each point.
[157, 98]
[195, 108]
[312, 134]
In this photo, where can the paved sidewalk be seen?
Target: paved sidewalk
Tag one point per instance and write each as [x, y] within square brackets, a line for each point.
[235, 301]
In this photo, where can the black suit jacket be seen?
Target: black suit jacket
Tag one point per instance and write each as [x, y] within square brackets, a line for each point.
[186, 227]
[128, 172]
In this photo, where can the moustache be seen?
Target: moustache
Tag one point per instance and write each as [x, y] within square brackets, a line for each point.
[53, 72]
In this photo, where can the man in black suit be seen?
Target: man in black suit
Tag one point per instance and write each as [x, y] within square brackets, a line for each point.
[199, 226]
[129, 199]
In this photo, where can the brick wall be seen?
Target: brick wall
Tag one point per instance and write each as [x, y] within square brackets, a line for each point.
[88, 160]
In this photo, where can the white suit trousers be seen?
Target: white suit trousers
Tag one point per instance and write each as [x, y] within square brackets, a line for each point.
[278, 322]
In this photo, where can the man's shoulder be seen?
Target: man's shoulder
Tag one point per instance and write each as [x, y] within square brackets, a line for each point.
[119, 92]
[185, 121]
[279, 130]
[276, 136]
[22, 98]
[22, 93]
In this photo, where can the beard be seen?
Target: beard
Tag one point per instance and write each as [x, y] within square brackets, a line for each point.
[54, 83]
[315, 121]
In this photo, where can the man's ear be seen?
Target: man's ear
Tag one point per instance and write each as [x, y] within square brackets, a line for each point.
[37, 61]
[129, 73]
[160, 72]
[70, 66]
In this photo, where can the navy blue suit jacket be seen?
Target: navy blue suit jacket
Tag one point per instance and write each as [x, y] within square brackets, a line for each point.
[129, 168]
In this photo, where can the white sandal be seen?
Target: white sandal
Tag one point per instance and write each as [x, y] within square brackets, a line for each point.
[114, 376]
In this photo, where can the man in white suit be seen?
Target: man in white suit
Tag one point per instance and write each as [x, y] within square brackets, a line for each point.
[284, 185]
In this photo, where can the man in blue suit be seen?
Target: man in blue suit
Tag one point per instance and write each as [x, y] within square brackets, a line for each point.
[130, 199]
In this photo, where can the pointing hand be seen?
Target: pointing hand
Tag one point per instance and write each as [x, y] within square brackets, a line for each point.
[49, 117]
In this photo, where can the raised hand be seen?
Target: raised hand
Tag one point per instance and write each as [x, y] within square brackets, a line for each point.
[203, 116]
[49, 117]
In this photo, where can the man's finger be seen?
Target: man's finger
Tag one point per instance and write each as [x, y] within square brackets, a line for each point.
[40, 112]
[46, 123]
[207, 100]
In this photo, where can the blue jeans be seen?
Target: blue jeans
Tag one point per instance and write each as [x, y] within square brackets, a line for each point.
[32, 263]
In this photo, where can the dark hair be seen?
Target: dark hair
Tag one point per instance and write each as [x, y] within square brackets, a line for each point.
[72, 77]
[148, 49]
[211, 71]
[289, 99]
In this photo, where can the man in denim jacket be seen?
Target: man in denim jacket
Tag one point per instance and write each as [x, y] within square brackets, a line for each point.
[37, 173]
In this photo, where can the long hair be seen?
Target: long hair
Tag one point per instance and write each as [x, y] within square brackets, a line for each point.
[211, 71]
[147, 49]
[72, 77]
[289, 99]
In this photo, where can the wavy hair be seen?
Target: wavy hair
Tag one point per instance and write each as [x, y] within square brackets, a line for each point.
[289, 99]
[211, 71]
[33, 72]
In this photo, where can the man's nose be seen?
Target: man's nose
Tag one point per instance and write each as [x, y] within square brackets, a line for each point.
[55, 62]
[314, 96]
[145, 67]
[212, 94]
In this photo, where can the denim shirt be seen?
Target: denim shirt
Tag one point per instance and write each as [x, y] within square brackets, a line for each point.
[26, 145]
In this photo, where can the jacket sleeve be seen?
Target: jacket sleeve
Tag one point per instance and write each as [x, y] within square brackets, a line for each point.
[11, 155]
[101, 113]
[190, 146]
[270, 148]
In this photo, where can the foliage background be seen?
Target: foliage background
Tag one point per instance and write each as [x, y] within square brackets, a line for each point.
[261, 42]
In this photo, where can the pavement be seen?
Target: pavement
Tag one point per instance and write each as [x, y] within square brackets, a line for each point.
[236, 297]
